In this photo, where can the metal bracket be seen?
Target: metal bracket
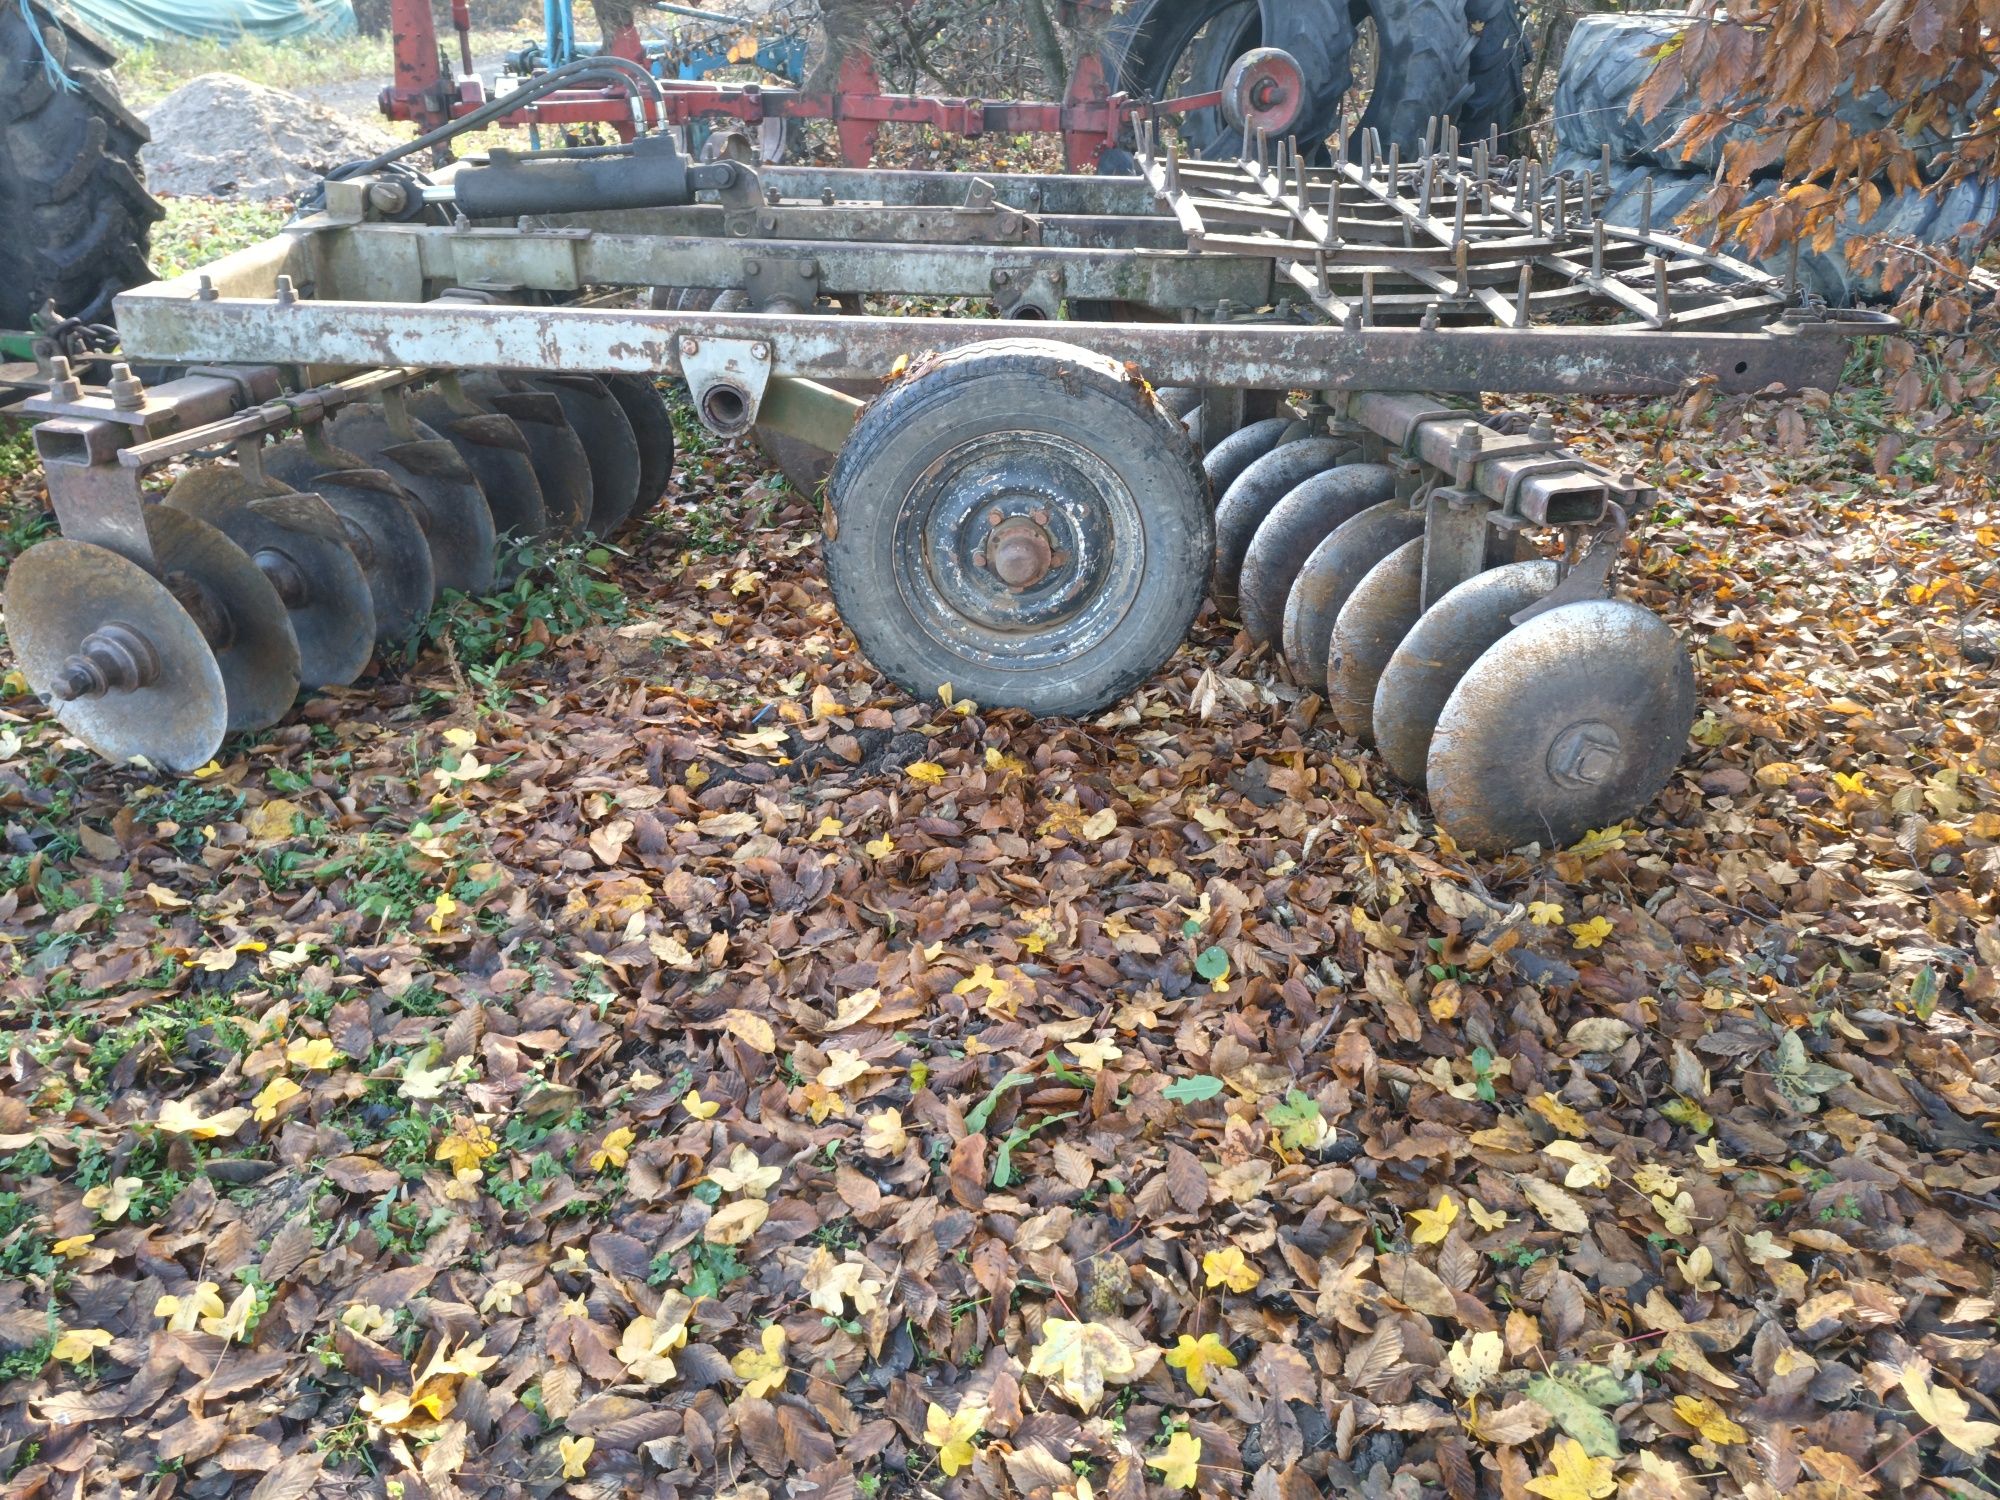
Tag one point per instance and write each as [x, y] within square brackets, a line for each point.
[778, 284]
[1030, 291]
[1460, 540]
[1587, 572]
[728, 378]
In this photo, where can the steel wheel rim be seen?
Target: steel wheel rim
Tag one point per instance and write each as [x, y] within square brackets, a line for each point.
[948, 547]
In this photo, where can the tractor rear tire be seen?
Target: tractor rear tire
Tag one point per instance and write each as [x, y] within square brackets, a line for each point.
[1499, 96]
[1423, 67]
[76, 212]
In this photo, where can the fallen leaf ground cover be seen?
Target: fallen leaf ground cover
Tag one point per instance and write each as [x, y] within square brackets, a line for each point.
[626, 1046]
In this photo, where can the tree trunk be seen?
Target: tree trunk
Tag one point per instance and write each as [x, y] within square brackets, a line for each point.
[1048, 47]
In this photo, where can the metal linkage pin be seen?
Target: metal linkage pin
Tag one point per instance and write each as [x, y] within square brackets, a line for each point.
[1522, 295]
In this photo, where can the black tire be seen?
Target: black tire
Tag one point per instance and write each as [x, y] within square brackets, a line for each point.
[1017, 426]
[1423, 67]
[75, 210]
[1151, 41]
[1498, 95]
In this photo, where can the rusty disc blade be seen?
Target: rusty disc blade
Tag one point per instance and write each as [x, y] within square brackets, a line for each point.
[1377, 615]
[449, 503]
[1300, 522]
[1229, 456]
[239, 612]
[1440, 648]
[496, 451]
[646, 409]
[298, 543]
[57, 593]
[1573, 721]
[1253, 496]
[1329, 575]
[608, 441]
[381, 526]
[562, 468]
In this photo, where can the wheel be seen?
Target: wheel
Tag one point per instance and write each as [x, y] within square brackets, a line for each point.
[1161, 48]
[1571, 722]
[1022, 521]
[77, 213]
[1439, 650]
[1497, 98]
[1422, 53]
[1264, 90]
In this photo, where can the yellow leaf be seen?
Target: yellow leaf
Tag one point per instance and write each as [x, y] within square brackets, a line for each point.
[882, 1133]
[113, 1200]
[1574, 1475]
[1483, 1216]
[575, 1453]
[952, 1435]
[1433, 1224]
[1708, 1419]
[441, 911]
[1590, 934]
[1945, 1409]
[1227, 1267]
[929, 772]
[1079, 1358]
[1709, 1154]
[271, 1098]
[74, 1246]
[1545, 913]
[1559, 1114]
[646, 1348]
[1194, 1357]
[614, 1149]
[500, 1296]
[460, 739]
[1180, 1465]
[745, 1174]
[1100, 825]
[1092, 1056]
[178, 1117]
[699, 1107]
[312, 1053]
[1587, 1168]
[1475, 1361]
[829, 828]
[420, 1082]
[880, 848]
[184, 1314]
[466, 1146]
[735, 1223]
[762, 1370]
[233, 1326]
[844, 1065]
[832, 1284]
[75, 1345]
[272, 820]
[364, 1318]
[750, 1029]
[165, 899]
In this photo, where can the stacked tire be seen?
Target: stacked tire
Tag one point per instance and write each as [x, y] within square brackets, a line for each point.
[1432, 59]
[1609, 57]
[76, 212]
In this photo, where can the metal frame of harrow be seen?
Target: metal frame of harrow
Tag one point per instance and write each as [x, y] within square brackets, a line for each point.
[1382, 289]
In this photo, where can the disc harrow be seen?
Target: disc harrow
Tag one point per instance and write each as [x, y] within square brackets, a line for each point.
[1252, 385]
[340, 522]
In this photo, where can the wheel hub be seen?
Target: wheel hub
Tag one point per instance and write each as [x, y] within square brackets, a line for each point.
[1020, 553]
[1585, 754]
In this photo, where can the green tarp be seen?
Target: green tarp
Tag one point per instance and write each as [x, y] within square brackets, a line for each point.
[135, 22]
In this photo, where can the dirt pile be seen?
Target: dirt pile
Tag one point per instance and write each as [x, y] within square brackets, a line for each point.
[225, 137]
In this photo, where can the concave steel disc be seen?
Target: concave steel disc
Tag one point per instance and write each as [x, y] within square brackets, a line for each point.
[238, 611]
[646, 409]
[1376, 617]
[1229, 456]
[297, 541]
[382, 528]
[57, 593]
[609, 441]
[1440, 648]
[1297, 524]
[497, 453]
[562, 467]
[1329, 575]
[1254, 495]
[1571, 722]
[212, 489]
[451, 507]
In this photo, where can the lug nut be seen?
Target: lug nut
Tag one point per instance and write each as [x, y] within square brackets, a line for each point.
[63, 385]
[128, 392]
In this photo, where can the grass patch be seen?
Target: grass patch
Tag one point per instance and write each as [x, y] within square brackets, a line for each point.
[148, 74]
[199, 230]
